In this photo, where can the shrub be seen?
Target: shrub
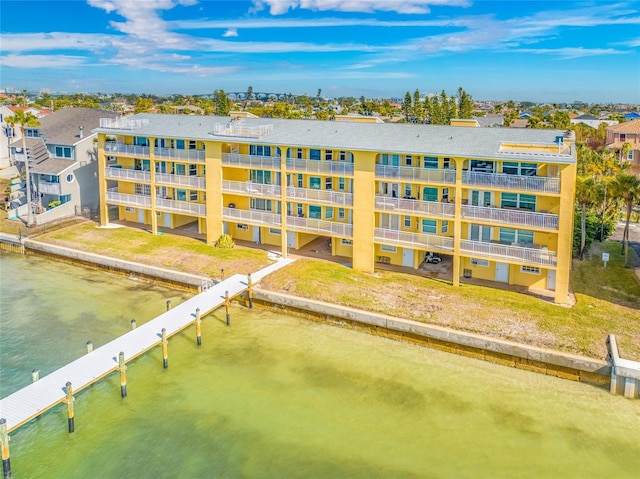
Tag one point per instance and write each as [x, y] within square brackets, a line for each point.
[55, 203]
[225, 241]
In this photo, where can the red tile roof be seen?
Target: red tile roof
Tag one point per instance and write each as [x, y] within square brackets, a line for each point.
[626, 127]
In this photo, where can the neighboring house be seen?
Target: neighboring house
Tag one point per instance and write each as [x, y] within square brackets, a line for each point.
[497, 203]
[9, 134]
[490, 120]
[592, 121]
[631, 116]
[63, 168]
[627, 132]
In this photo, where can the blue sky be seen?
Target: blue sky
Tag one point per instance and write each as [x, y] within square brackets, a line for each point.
[555, 51]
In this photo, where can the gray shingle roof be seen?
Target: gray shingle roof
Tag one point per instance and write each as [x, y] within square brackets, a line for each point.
[63, 126]
[427, 140]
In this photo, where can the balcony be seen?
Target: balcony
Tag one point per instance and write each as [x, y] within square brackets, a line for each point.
[184, 207]
[193, 156]
[320, 227]
[414, 240]
[511, 253]
[197, 182]
[511, 216]
[423, 175]
[140, 201]
[115, 148]
[251, 161]
[127, 174]
[339, 168]
[415, 207]
[327, 197]
[49, 188]
[512, 182]
[253, 217]
[252, 189]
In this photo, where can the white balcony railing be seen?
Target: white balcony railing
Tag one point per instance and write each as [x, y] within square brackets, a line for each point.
[513, 217]
[196, 156]
[115, 148]
[250, 188]
[424, 175]
[253, 217]
[328, 197]
[126, 199]
[184, 207]
[317, 226]
[413, 240]
[512, 182]
[197, 182]
[251, 161]
[401, 205]
[522, 254]
[49, 188]
[340, 168]
[127, 174]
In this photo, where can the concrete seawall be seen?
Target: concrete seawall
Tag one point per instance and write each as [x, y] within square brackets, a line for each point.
[545, 361]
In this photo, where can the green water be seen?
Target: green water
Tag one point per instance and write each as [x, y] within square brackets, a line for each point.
[275, 396]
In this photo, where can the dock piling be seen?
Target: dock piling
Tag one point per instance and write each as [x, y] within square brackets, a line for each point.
[35, 375]
[165, 353]
[89, 346]
[69, 401]
[133, 324]
[250, 291]
[198, 327]
[123, 374]
[227, 305]
[4, 440]
[168, 304]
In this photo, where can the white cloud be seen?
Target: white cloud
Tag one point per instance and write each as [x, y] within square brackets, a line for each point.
[42, 61]
[17, 42]
[231, 32]
[279, 7]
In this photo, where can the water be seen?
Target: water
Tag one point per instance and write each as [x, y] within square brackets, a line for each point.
[275, 396]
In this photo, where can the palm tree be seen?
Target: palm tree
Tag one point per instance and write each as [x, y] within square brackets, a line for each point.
[25, 119]
[587, 194]
[626, 187]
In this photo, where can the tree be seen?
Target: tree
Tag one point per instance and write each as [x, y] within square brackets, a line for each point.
[406, 105]
[221, 102]
[319, 93]
[465, 104]
[588, 193]
[24, 119]
[626, 187]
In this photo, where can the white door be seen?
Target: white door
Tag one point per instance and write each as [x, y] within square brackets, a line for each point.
[167, 220]
[291, 239]
[407, 257]
[481, 198]
[480, 233]
[225, 228]
[551, 279]
[140, 215]
[502, 272]
[256, 234]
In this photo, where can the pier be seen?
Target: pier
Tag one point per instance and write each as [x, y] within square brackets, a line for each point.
[45, 393]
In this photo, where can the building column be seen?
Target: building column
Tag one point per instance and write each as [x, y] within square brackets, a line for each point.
[284, 248]
[152, 172]
[457, 223]
[364, 190]
[565, 232]
[213, 182]
[102, 182]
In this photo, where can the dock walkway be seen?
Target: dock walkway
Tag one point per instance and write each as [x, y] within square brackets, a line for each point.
[40, 396]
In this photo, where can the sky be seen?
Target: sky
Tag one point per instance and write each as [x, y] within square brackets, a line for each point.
[545, 51]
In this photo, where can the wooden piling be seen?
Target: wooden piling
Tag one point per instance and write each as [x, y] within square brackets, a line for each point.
[4, 440]
[69, 400]
[123, 374]
[133, 324]
[35, 375]
[165, 352]
[250, 291]
[168, 304]
[227, 305]
[89, 346]
[198, 327]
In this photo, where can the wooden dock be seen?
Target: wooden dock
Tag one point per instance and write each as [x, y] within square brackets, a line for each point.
[40, 396]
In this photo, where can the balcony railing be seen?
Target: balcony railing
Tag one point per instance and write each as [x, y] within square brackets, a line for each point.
[127, 174]
[251, 161]
[328, 197]
[125, 199]
[196, 156]
[197, 209]
[402, 205]
[413, 240]
[253, 217]
[250, 188]
[340, 168]
[531, 255]
[181, 180]
[317, 226]
[115, 148]
[514, 217]
[49, 188]
[512, 182]
[424, 175]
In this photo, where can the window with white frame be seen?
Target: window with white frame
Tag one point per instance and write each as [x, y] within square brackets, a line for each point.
[446, 163]
[529, 269]
[407, 190]
[315, 212]
[407, 221]
[328, 155]
[444, 227]
[340, 213]
[516, 200]
[260, 150]
[430, 162]
[388, 249]
[141, 189]
[300, 181]
[516, 168]
[314, 154]
[260, 204]
[511, 236]
[429, 226]
[408, 160]
[193, 170]
[341, 184]
[480, 262]
[275, 231]
[328, 183]
[328, 212]
[193, 195]
[62, 151]
[346, 242]
[241, 226]
[343, 155]
[315, 182]
[181, 195]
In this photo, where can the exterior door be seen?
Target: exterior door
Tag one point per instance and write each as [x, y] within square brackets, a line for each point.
[140, 215]
[481, 198]
[291, 239]
[167, 220]
[480, 233]
[256, 234]
[551, 279]
[502, 272]
[407, 257]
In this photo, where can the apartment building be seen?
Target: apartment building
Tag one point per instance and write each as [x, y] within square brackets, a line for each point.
[627, 133]
[497, 202]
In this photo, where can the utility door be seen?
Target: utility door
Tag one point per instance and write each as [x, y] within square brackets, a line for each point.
[502, 272]
[291, 239]
[551, 279]
[140, 215]
[256, 234]
[407, 257]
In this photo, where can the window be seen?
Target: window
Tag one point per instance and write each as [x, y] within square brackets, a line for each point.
[193, 195]
[141, 141]
[315, 212]
[300, 210]
[315, 182]
[340, 213]
[259, 150]
[63, 151]
[314, 154]
[389, 160]
[407, 221]
[480, 233]
[129, 209]
[181, 195]
[328, 155]
[141, 189]
[341, 184]
[299, 153]
[180, 169]
[275, 231]
[445, 194]
[430, 194]
[529, 269]
[300, 181]
[524, 169]
[388, 249]
[623, 137]
[193, 170]
[408, 160]
[180, 144]
[446, 163]
[192, 144]
[444, 228]
[429, 226]
[241, 226]
[261, 176]
[260, 204]
[482, 166]
[343, 155]
[514, 236]
[32, 133]
[346, 242]
[70, 178]
[516, 200]
[328, 183]
[328, 212]
[480, 262]
[430, 162]
[407, 190]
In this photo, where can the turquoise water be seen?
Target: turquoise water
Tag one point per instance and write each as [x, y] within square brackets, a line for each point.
[275, 396]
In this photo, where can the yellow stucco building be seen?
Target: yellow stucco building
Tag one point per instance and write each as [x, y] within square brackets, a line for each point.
[496, 203]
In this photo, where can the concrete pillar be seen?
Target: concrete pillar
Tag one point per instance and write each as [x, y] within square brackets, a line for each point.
[364, 221]
[630, 388]
[457, 223]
